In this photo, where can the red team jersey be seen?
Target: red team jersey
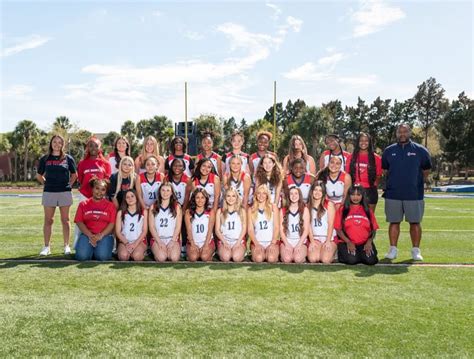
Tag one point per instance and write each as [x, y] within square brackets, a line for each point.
[356, 225]
[95, 215]
[361, 169]
[150, 189]
[188, 163]
[304, 185]
[89, 168]
[343, 156]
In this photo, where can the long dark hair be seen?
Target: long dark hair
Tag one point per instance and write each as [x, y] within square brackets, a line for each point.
[192, 201]
[197, 171]
[116, 152]
[356, 188]
[355, 159]
[301, 206]
[159, 200]
[124, 204]
[320, 210]
[323, 175]
[62, 154]
[261, 175]
[341, 151]
[173, 142]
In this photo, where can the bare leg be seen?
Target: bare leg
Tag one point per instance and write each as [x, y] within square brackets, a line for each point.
[122, 253]
[328, 252]
[286, 252]
[394, 233]
[415, 234]
[272, 253]
[314, 251]
[300, 253]
[139, 253]
[258, 254]
[192, 253]
[159, 251]
[224, 252]
[65, 223]
[207, 252]
[174, 251]
[48, 224]
[238, 252]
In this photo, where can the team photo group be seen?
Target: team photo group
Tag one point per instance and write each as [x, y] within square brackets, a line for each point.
[292, 209]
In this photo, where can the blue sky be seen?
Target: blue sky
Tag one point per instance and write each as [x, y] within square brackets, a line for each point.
[102, 63]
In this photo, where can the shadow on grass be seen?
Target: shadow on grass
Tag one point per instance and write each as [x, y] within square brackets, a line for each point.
[68, 261]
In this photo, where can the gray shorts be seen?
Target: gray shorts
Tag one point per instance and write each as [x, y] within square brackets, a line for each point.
[412, 210]
[57, 199]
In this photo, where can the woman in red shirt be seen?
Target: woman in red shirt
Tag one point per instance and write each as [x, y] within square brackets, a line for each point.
[356, 225]
[365, 168]
[95, 217]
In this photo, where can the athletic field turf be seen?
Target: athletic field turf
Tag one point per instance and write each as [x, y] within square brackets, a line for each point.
[56, 308]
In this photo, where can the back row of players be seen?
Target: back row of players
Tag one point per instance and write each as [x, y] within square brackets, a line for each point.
[288, 211]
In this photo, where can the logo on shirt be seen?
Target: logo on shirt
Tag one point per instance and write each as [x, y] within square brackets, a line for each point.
[394, 154]
[411, 154]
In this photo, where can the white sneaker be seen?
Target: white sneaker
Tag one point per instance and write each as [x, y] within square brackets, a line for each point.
[416, 254]
[45, 251]
[392, 253]
[67, 250]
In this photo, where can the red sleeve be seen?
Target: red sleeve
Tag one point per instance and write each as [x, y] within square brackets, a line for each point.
[108, 169]
[79, 213]
[378, 165]
[338, 219]
[113, 213]
[375, 225]
[348, 163]
[80, 172]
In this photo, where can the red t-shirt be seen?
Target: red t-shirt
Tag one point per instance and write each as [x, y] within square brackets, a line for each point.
[361, 169]
[95, 215]
[356, 224]
[88, 168]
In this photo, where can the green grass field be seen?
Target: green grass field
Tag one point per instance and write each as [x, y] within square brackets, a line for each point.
[52, 308]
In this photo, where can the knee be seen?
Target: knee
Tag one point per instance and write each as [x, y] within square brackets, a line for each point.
[82, 256]
[257, 257]
[206, 256]
[238, 256]
[350, 259]
[224, 256]
[138, 256]
[102, 256]
[48, 221]
[123, 256]
[286, 257]
[370, 261]
[65, 220]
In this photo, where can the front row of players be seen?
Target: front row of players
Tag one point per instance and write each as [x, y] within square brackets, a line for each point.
[295, 233]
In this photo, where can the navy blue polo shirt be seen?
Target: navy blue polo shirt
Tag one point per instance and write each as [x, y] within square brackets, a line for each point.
[405, 165]
[56, 172]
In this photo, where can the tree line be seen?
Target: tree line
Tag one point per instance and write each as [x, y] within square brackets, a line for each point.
[445, 127]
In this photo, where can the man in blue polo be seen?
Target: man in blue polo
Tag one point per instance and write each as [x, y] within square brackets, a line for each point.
[406, 165]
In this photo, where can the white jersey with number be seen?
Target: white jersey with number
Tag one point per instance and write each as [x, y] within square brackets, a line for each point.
[232, 227]
[209, 186]
[200, 226]
[293, 233]
[165, 224]
[132, 226]
[150, 188]
[179, 187]
[320, 226]
[263, 229]
[335, 189]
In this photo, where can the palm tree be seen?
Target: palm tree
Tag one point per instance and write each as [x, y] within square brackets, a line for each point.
[27, 131]
[62, 122]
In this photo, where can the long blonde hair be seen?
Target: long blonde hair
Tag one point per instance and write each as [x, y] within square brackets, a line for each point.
[237, 206]
[144, 153]
[304, 150]
[268, 210]
[133, 175]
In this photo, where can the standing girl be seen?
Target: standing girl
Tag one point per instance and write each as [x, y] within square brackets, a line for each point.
[336, 180]
[231, 228]
[131, 228]
[321, 231]
[299, 178]
[206, 145]
[121, 149]
[334, 150]
[199, 220]
[263, 227]
[204, 178]
[150, 182]
[150, 148]
[123, 180]
[294, 228]
[95, 218]
[178, 151]
[298, 150]
[365, 168]
[263, 142]
[356, 226]
[238, 179]
[57, 172]
[165, 225]
[269, 173]
[237, 142]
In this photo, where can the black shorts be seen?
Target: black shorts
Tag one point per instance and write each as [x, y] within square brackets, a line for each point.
[372, 195]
